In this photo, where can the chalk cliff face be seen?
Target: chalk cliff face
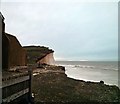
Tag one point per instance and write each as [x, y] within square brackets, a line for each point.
[48, 59]
[39, 54]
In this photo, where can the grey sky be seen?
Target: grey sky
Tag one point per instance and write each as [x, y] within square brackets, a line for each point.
[75, 30]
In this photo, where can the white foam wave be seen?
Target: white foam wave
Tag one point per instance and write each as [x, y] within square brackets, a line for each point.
[115, 69]
[87, 67]
[84, 66]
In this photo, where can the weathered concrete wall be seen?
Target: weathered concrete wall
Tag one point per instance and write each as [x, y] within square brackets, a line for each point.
[13, 53]
[2, 29]
[48, 59]
[5, 51]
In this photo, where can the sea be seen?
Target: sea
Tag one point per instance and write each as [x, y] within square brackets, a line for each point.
[94, 71]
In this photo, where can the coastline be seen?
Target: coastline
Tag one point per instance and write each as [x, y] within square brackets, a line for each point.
[93, 71]
[94, 81]
[51, 84]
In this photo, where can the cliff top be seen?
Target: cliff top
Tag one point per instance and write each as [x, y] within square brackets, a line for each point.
[38, 48]
[35, 53]
[52, 85]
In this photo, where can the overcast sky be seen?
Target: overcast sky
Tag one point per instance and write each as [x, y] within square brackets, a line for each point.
[74, 30]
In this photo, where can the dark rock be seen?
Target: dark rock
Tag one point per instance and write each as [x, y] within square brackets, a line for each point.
[101, 82]
[61, 67]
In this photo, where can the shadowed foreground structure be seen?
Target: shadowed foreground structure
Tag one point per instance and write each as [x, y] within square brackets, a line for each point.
[16, 79]
[13, 53]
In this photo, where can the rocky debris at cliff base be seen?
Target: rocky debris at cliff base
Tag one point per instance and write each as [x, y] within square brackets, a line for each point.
[48, 69]
[51, 86]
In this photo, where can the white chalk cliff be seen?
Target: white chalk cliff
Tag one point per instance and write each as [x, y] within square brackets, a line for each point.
[48, 59]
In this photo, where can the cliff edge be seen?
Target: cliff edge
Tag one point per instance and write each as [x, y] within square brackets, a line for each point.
[39, 54]
[51, 85]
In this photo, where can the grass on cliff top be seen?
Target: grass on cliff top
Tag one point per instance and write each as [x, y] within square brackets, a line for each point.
[56, 87]
[35, 53]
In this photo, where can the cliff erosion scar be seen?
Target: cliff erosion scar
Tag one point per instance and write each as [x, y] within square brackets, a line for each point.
[39, 55]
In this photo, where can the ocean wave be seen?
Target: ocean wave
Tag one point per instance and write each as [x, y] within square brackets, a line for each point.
[89, 67]
[115, 69]
[84, 66]
[78, 66]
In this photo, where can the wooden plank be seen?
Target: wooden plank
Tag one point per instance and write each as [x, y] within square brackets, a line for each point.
[14, 81]
[15, 96]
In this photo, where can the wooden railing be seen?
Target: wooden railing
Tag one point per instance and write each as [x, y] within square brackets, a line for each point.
[16, 87]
